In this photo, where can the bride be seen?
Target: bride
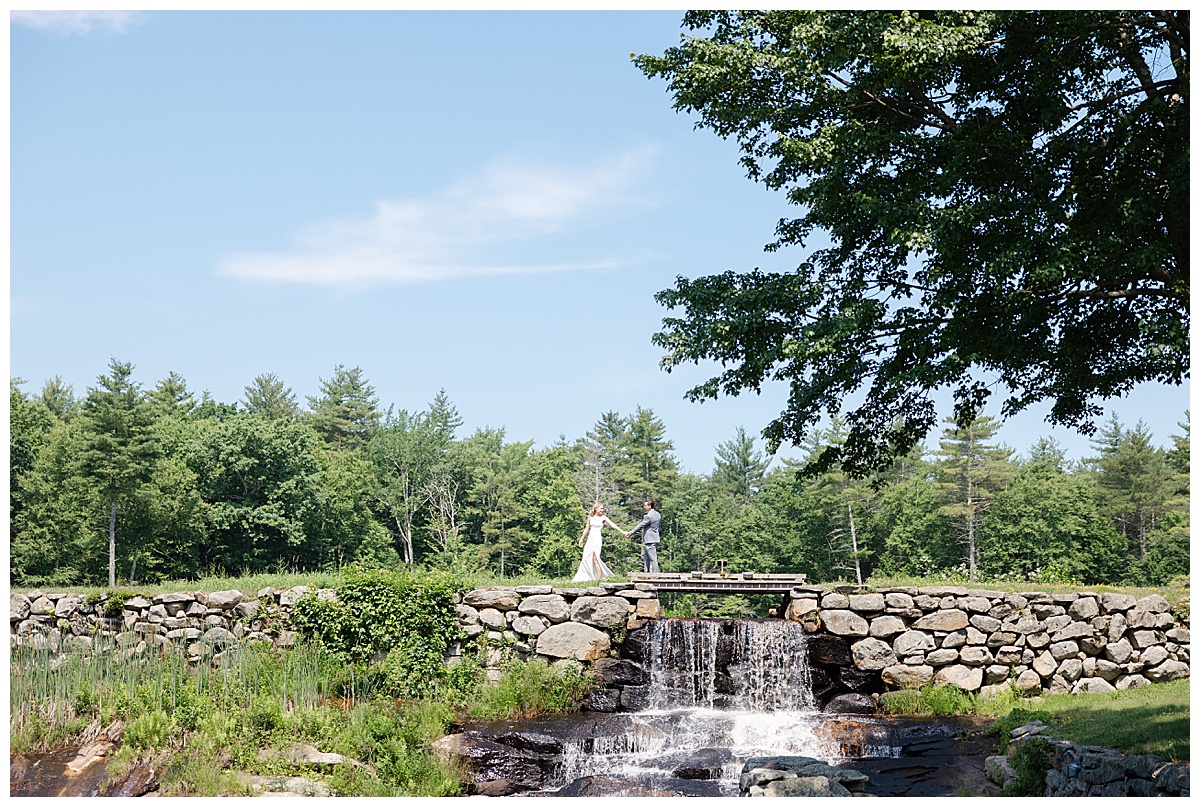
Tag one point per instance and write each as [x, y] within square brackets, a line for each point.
[591, 567]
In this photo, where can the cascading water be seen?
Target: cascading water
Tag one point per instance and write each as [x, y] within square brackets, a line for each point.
[719, 692]
[743, 665]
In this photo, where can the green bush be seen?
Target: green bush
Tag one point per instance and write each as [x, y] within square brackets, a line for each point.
[1031, 759]
[409, 620]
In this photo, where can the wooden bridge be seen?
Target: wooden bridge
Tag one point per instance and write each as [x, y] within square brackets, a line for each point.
[720, 583]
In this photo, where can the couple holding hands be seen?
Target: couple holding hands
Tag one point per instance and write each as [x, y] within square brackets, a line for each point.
[591, 567]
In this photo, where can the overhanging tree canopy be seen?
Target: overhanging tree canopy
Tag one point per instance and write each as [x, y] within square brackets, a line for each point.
[1006, 199]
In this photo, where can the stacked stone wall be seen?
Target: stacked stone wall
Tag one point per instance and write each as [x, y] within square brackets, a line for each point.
[1087, 770]
[981, 639]
[862, 641]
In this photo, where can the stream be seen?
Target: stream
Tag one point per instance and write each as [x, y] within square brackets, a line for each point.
[720, 692]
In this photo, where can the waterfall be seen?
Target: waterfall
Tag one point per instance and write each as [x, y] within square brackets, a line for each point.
[719, 691]
[732, 664]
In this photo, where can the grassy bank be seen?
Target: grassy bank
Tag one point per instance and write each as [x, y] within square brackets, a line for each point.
[216, 722]
[1149, 720]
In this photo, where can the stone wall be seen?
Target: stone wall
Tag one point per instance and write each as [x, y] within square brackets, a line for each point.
[861, 641]
[598, 625]
[979, 639]
[1085, 770]
[202, 623]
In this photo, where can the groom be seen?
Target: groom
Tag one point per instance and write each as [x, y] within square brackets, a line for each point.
[649, 525]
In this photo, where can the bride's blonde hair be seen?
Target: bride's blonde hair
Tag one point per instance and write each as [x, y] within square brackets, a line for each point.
[595, 508]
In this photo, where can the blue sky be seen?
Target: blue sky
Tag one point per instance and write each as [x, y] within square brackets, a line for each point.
[484, 202]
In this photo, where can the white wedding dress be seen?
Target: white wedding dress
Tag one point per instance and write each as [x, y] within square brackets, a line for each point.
[591, 567]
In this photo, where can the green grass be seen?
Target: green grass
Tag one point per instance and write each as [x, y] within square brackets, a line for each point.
[212, 721]
[1148, 720]
[529, 689]
[1177, 589]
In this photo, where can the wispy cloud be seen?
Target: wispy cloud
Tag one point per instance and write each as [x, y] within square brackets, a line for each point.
[461, 231]
[76, 23]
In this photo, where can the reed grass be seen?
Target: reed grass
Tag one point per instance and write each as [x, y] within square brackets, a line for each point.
[530, 689]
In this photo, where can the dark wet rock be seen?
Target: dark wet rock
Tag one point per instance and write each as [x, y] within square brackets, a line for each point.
[833, 651]
[602, 700]
[821, 681]
[531, 741]
[699, 764]
[853, 704]
[495, 787]
[488, 760]
[636, 646]
[612, 786]
[619, 672]
[856, 680]
[143, 779]
[635, 699]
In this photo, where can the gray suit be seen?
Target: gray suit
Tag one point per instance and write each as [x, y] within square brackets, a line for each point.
[649, 526]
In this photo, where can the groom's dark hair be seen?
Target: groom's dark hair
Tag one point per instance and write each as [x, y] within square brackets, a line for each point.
[653, 504]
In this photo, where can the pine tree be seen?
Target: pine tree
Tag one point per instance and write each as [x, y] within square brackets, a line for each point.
[346, 413]
[599, 453]
[1135, 478]
[739, 468]
[971, 471]
[270, 398]
[646, 467]
[119, 447]
[171, 397]
[59, 397]
[443, 416]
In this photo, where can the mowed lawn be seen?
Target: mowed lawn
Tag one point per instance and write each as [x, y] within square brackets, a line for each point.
[1150, 720]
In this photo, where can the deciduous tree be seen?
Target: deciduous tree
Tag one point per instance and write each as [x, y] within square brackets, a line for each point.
[1006, 200]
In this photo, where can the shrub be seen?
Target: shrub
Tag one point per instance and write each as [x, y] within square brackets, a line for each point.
[409, 620]
[1030, 758]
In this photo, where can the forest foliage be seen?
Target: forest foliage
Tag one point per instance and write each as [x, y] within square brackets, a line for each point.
[186, 486]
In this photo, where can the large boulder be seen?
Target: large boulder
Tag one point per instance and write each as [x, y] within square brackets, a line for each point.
[18, 607]
[845, 623]
[619, 672]
[1168, 671]
[1084, 608]
[224, 600]
[828, 650]
[968, 678]
[573, 640]
[912, 642]
[798, 776]
[950, 619]
[287, 598]
[601, 612]
[867, 603]
[852, 704]
[551, 606]
[500, 599]
[528, 625]
[1155, 603]
[885, 627]
[907, 676]
[872, 654]
[1111, 602]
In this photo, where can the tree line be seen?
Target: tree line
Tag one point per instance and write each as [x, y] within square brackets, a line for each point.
[126, 484]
